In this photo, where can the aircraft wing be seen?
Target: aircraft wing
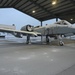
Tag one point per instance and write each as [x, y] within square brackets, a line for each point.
[19, 32]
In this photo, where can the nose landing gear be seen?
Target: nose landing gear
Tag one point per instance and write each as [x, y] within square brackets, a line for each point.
[61, 43]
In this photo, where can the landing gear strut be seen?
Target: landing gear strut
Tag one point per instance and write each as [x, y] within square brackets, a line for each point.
[28, 39]
[47, 39]
[59, 40]
[61, 43]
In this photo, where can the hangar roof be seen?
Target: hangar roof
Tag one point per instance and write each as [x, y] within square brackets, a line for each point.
[44, 10]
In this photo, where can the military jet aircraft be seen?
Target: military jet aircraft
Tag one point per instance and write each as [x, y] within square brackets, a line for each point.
[55, 30]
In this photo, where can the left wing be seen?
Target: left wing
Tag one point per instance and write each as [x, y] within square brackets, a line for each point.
[18, 32]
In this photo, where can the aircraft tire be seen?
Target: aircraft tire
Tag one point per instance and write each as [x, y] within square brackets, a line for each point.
[61, 43]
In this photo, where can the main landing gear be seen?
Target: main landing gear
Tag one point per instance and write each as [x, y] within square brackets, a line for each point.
[59, 40]
[28, 39]
[47, 39]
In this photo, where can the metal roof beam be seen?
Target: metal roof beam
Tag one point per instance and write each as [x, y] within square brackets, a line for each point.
[11, 2]
[42, 8]
[17, 1]
[69, 13]
[1, 1]
[5, 2]
[35, 5]
[31, 8]
[23, 4]
[65, 12]
[28, 5]
[72, 1]
[43, 2]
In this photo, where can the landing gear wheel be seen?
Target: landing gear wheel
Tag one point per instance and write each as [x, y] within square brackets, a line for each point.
[61, 43]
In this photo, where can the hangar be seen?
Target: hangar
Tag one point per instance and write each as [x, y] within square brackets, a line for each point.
[20, 59]
[44, 9]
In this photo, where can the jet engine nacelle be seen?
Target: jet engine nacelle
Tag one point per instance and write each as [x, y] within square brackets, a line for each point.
[17, 35]
[27, 28]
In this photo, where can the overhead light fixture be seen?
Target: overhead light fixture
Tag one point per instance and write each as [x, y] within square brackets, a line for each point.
[54, 2]
[71, 19]
[33, 11]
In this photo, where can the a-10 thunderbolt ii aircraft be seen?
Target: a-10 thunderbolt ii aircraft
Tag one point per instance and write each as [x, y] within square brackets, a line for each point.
[55, 30]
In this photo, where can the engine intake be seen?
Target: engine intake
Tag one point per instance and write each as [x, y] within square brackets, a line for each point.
[27, 28]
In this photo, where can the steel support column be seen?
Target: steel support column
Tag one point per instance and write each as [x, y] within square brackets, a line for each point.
[41, 35]
[56, 19]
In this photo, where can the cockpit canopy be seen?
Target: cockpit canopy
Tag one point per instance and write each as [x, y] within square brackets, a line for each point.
[63, 22]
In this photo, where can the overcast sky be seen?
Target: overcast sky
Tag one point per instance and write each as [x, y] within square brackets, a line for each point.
[9, 16]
